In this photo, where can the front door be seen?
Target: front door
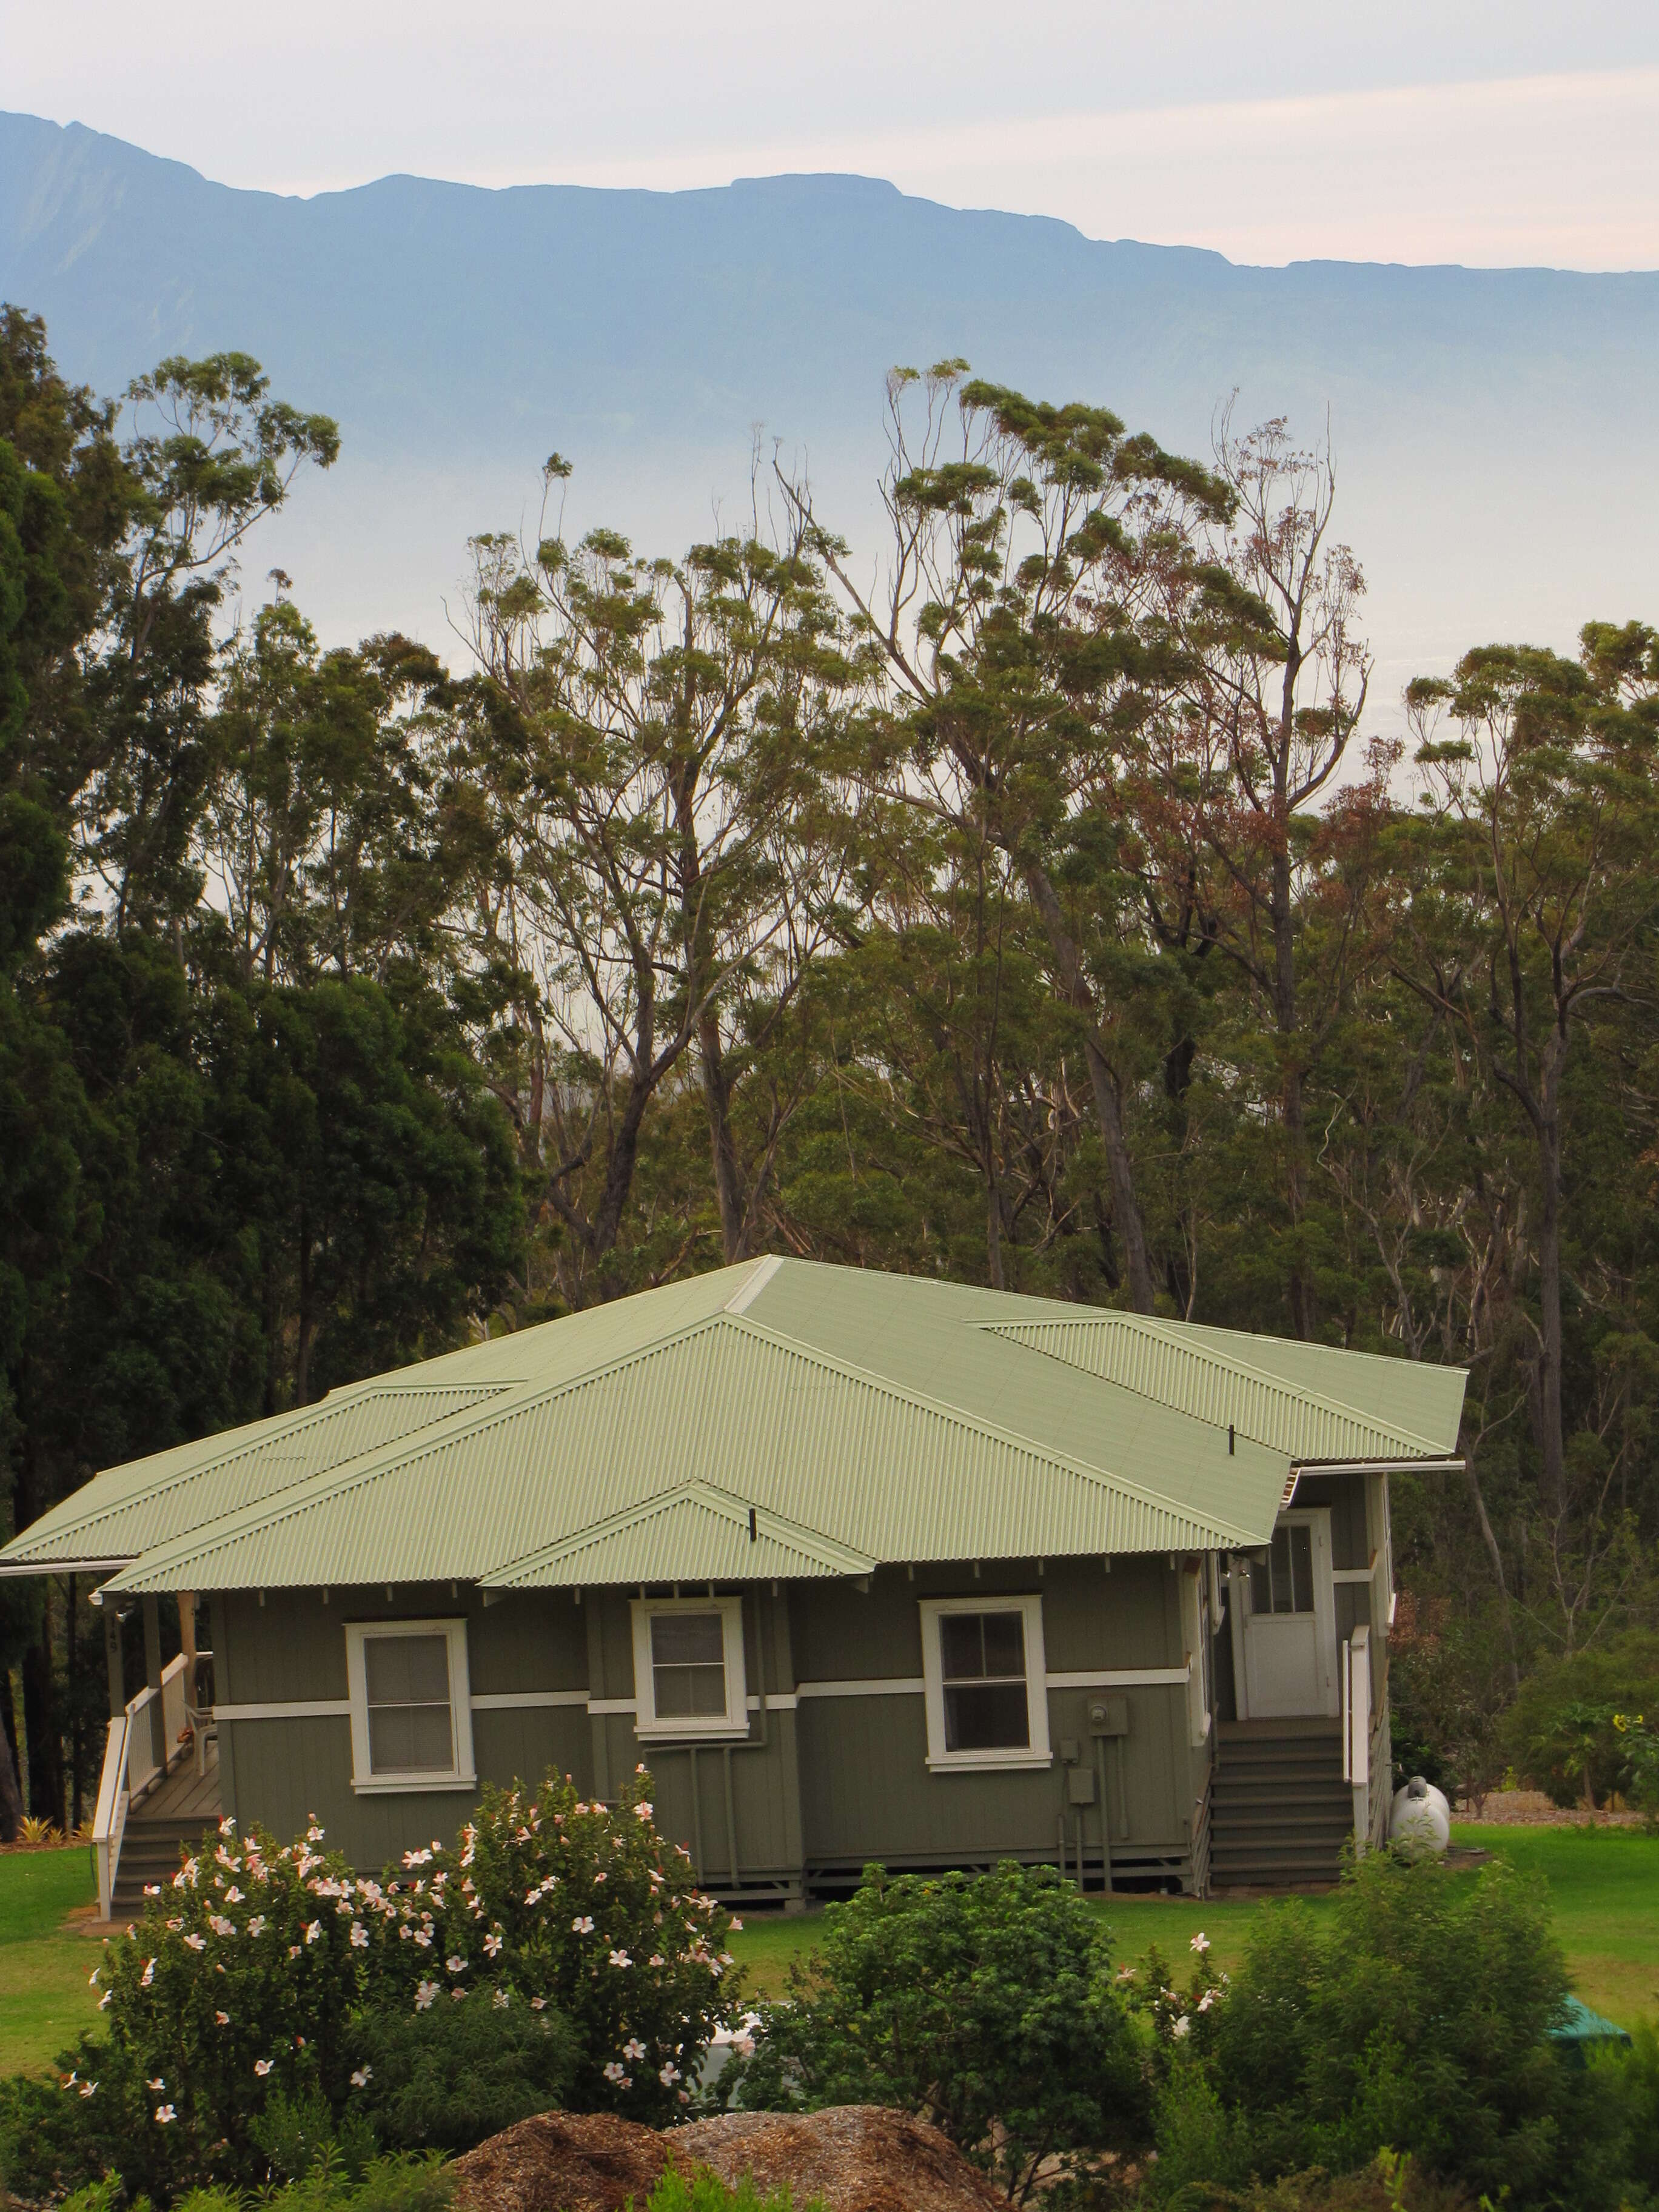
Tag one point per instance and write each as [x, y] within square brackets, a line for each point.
[1290, 1621]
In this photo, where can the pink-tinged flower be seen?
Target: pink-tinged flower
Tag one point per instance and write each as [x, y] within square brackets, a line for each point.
[620, 1959]
[685, 2096]
[423, 1995]
[313, 1930]
[360, 2079]
[668, 2074]
[148, 1974]
[313, 1834]
[582, 1924]
[223, 2019]
[197, 1942]
[417, 1858]
[233, 1895]
[458, 1994]
[160, 2082]
[220, 1925]
[642, 1810]
[599, 1877]
[294, 1950]
[633, 2048]
[71, 2077]
[456, 1965]
[358, 1936]
[1126, 1974]
[152, 1889]
[492, 1944]
[164, 2113]
[258, 1925]
[423, 1938]
[736, 1922]
[613, 2072]
[1183, 2028]
[263, 2066]
[655, 1959]
[1200, 1943]
[88, 2087]
[1207, 2001]
[499, 2000]
[538, 2004]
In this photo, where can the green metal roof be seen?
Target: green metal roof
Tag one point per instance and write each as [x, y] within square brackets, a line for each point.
[864, 1417]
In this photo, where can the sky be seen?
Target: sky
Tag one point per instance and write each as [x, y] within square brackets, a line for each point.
[1492, 132]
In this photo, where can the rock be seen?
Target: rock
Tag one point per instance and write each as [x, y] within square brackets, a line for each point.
[562, 2162]
[853, 2158]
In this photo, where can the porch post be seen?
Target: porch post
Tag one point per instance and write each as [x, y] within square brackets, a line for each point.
[117, 1678]
[152, 1613]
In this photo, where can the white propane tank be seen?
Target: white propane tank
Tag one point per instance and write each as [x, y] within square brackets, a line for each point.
[1420, 1821]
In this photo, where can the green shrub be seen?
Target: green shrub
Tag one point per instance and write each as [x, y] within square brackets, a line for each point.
[1389, 2184]
[705, 2192]
[444, 2080]
[386, 2184]
[1562, 1731]
[984, 2001]
[1415, 2017]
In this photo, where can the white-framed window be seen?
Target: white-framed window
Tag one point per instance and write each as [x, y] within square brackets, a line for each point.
[1195, 1635]
[412, 1705]
[985, 1681]
[689, 1677]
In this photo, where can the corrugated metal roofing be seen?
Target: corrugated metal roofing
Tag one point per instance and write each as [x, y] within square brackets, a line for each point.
[880, 1417]
[1219, 1386]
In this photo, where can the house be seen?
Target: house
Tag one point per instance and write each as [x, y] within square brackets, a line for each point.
[861, 1566]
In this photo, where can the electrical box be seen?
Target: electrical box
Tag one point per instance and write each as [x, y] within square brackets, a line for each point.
[1079, 1785]
[1070, 1751]
[1108, 1716]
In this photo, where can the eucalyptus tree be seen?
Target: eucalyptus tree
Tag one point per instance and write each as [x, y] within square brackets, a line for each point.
[655, 742]
[1010, 612]
[1532, 923]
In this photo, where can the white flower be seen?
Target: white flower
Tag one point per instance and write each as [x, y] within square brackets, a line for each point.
[258, 1925]
[263, 2066]
[417, 1858]
[423, 1938]
[164, 2113]
[87, 2088]
[220, 1925]
[197, 1942]
[1207, 2001]
[492, 1944]
[152, 1889]
[313, 1834]
[314, 1930]
[148, 1974]
[582, 1924]
[620, 1959]
[360, 2079]
[642, 1810]
[633, 2048]
[92, 1979]
[223, 2019]
[538, 2004]
[1182, 2028]
[1126, 1974]
[736, 1923]
[668, 2074]
[423, 1995]
[456, 1965]
[458, 1994]
[160, 2082]
[499, 2000]
[613, 2072]
[233, 1895]
[1200, 1943]
[655, 1959]
[106, 2001]
[358, 1936]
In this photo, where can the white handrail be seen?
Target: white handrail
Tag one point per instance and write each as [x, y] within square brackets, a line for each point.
[110, 1819]
[174, 1721]
[1357, 1730]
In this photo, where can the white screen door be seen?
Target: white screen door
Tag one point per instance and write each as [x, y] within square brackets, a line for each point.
[1290, 1628]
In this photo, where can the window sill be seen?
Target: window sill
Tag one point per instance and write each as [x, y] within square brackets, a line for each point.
[709, 1732]
[410, 1785]
[982, 1762]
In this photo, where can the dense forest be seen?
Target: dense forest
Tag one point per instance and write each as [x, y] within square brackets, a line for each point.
[1027, 896]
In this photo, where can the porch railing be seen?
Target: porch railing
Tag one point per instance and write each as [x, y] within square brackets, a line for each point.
[1356, 1730]
[133, 1766]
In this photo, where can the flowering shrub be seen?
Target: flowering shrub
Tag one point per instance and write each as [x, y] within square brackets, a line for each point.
[1182, 2020]
[585, 1906]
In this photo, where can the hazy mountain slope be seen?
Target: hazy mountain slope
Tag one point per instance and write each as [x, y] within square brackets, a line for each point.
[1496, 429]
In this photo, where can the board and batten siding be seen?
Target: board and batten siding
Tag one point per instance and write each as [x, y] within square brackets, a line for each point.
[822, 1783]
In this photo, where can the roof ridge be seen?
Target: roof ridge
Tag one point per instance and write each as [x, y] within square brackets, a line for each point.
[815, 1542]
[1168, 1332]
[1017, 1438]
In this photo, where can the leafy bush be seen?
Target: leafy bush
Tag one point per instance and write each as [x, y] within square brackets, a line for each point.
[386, 2184]
[1562, 1731]
[985, 2002]
[445, 2078]
[588, 1907]
[1389, 2184]
[1416, 2017]
[705, 2192]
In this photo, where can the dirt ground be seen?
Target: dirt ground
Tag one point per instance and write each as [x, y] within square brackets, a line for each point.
[1531, 1808]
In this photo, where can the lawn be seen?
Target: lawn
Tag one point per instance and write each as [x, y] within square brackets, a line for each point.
[43, 1998]
[1604, 1885]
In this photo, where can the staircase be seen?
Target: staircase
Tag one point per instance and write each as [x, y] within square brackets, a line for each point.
[1279, 1809]
[150, 1851]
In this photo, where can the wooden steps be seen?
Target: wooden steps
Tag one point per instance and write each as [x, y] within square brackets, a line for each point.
[151, 1852]
[1279, 1811]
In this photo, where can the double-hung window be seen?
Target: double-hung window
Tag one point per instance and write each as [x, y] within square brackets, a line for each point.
[411, 1707]
[689, 1677]
[985, 1683]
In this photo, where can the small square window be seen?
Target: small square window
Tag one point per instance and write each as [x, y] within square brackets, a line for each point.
[982, 1670]
[688, 1667]
[411, 1718]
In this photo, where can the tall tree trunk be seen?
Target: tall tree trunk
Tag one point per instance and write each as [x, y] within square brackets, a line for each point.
[723, 1151]
[1551, 1444]
[1102, 1081]
[11, 1797]
[1299, 1289]
[1489, 1538]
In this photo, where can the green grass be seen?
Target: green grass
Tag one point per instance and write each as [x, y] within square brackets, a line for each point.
[1603, 1883]
[43, 1998]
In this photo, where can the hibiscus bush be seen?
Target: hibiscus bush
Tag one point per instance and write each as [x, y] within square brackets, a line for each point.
[587, 1908]
[267, 1981]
